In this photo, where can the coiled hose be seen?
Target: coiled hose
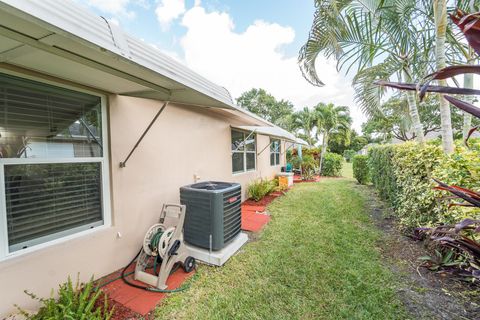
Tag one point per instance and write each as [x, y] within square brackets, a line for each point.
[154, 245]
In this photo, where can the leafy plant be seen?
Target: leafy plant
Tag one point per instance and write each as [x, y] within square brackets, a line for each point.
[332, 165]
[73, 302]
[459, 242]
[260, 188]
[296, 162]
[439, 260]
[349, 154]
[360, 169]
[309, 166]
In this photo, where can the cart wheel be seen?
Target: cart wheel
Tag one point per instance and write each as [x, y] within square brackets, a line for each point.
[189, 264]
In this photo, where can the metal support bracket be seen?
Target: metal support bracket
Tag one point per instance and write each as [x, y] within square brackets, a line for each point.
[123, 164]
[268, 145]
[91, 133]
[291, 146]
[249, 135]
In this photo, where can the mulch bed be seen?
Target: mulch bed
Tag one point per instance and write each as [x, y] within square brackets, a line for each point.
[425, 294]
[263, 202]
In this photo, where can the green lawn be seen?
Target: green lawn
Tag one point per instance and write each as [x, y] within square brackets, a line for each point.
[347, 170]
[317, 259]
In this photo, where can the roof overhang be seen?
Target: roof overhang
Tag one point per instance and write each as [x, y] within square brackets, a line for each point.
[63, 40]
[275, 132]
[301, 142]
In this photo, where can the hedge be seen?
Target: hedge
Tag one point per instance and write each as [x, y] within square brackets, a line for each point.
[332, 165]
[360, 168]
[403, 174]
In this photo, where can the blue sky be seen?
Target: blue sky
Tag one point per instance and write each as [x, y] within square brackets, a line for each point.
[296, 14]
[239, 44]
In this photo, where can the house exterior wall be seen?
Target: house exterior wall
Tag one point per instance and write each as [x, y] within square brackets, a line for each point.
[185, 141]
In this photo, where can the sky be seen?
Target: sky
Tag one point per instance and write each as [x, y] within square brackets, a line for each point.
[238, 44]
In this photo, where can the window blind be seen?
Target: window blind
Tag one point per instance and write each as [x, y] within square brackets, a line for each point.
[45, 200]
[61, 193]
[32, 112]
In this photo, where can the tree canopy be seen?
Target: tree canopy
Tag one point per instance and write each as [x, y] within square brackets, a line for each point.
[267, 106]
[392, 123]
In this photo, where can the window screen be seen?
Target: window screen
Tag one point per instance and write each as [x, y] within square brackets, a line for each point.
[244, 151]
[52, 138]
[43, 121]
[274, 152]
[43, 200]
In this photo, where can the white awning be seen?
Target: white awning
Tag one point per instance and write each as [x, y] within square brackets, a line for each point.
[301, 141]
[275, 132]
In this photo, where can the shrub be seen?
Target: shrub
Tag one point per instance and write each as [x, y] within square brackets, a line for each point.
[314, 152]
[296, 162]
[260, 188]
[403, 176]
[360, 169]
[309, 166]
[73, 302]
[349, 154]
[382, 172]
[332, 165]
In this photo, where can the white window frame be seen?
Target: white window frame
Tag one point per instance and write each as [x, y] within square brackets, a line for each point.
[279, 152]
[244, 152]
[70, 234]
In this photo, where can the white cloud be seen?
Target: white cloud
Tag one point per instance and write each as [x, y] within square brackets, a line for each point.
[169, 10]
[114, 7]
[254, 58]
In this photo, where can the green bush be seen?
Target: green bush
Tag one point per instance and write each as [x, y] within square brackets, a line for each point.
[403, 176]
[260, 188]
[309, 166]
[349, 154]
[332, 165]
[360, 169]
[73, 302]
[296, 162]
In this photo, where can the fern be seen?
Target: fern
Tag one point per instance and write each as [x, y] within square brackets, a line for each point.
[74, 302]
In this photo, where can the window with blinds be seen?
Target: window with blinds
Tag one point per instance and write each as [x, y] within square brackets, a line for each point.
[51, 155]
[244, 151]
[274, 152]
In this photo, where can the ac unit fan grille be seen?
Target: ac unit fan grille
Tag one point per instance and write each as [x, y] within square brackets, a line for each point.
[231, 214]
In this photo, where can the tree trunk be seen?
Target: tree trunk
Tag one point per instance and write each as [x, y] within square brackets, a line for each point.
[324, 149]
[440, 14]
[467, 117]
[413, 110]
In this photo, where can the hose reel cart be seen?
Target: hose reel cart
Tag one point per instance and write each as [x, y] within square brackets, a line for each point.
[163, 243]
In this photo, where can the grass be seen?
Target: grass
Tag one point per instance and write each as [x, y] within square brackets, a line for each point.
[317, 259]
[347, 170]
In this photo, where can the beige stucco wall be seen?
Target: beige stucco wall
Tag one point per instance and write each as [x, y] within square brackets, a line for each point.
[185, 141]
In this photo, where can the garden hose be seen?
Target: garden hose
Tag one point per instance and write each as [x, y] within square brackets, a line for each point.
[157, 244]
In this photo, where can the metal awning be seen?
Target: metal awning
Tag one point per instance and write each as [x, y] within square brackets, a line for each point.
[301, 141]
[275, 132]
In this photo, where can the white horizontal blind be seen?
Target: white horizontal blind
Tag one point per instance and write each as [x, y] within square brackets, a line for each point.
[244, 152]
[32, 112]
[45, 199]
[274, 152]
[53, 177]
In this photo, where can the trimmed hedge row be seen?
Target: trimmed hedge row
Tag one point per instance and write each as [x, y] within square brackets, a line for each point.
[360, 169]
[403, 174]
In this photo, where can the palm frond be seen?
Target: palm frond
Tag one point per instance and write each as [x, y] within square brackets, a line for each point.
[367, 93]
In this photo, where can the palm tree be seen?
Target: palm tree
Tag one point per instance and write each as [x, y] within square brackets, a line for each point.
[331, 119]
[305, 121]
[468, 78]
[440, 14]
[383, 39]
